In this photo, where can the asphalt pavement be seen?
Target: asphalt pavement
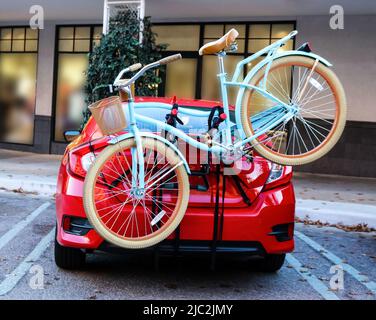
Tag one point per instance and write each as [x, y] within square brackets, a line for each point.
[327, 263]
[349, 201]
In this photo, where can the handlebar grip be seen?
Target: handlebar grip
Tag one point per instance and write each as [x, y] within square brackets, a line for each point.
[135, 67]
[170, 59]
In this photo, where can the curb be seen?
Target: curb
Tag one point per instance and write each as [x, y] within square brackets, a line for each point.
[25, 184]
[345, 213]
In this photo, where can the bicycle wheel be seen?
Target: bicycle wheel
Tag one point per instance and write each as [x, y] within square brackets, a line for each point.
[118, 213]
[319, 96]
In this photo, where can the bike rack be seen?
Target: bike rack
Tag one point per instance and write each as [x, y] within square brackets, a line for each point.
[218, 215]
[219, 209]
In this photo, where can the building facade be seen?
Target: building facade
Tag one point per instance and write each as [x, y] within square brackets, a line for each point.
[42, 71]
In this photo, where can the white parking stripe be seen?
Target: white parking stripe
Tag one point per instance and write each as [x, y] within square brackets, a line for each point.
[315, 283]
[7, 237]
[363, 279]
[13, 278]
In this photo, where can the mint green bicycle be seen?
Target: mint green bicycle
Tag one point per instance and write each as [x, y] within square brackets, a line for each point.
[290, 108]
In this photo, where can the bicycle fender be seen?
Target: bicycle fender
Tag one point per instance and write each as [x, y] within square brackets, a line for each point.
[305, 54]
[157, 137]
[260, 65]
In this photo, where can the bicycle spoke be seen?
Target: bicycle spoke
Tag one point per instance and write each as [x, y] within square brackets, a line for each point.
[133, 213]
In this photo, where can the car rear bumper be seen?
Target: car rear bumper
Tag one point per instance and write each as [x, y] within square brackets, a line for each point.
[168, 247]
[247, 228]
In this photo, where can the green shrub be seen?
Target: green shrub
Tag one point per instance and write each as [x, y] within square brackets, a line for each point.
[118, 49]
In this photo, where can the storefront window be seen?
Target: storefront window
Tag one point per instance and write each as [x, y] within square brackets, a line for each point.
[18, 72]
[195, 76]
[181, 79]
[70, 100]
[261, 35]
[178, 37]
[210, 83]
[74, 44]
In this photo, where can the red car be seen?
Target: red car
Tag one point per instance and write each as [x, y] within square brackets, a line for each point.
[255, 216]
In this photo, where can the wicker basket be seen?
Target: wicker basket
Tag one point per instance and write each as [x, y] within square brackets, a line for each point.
[109, 115]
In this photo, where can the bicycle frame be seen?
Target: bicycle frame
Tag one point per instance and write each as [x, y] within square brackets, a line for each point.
[287, 112]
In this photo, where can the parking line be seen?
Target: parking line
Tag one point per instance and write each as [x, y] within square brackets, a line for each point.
[13, 278]
[314, 282]
[7, 237]
[363, 279]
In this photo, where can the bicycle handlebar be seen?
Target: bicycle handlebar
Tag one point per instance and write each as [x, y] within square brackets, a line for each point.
[132, 68]
[143, 70]
[135, 67]
[170, 59]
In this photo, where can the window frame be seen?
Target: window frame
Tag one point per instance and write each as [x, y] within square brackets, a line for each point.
[195, 55]
[32, 144]
[24, 39]
[57, 52]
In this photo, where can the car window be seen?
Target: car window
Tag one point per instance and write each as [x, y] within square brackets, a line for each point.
[193, 124]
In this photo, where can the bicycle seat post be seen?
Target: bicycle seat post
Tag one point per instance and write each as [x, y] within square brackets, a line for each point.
[222, 80]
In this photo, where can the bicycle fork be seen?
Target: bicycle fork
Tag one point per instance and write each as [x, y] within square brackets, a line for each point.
[138, 167]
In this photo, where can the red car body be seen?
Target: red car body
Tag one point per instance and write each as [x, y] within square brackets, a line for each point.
[258, 214]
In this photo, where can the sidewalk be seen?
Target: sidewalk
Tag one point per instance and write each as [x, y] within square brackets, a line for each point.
[28, 172]
[325, 198]
[335, 199]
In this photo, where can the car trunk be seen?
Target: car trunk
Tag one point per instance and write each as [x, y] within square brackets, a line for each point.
[244, 180]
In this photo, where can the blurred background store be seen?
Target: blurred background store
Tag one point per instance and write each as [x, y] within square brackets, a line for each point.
[42, 72]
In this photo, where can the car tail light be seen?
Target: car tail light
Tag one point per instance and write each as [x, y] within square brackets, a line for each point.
[87, 160]
[80, 160]
[82, 157]
[83, 163]
[76, 163]
[275, 173]
[278, 176]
